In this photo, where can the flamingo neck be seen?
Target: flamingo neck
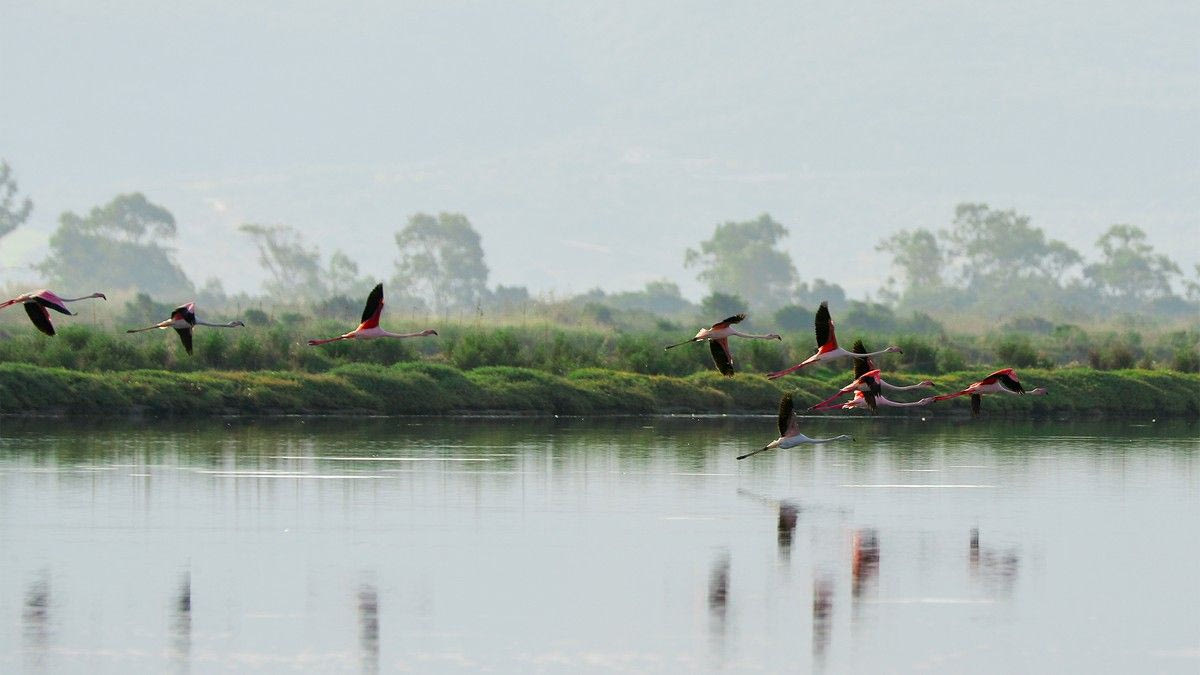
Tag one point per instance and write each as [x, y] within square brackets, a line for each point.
[755, 337]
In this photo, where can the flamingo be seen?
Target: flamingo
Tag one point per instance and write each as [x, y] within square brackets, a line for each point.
[789, 430]
[183, 319]
[867, 363]
[369, 328]
[860, 401]
[866, 383]
[1000, 382]
[37, 302]
[718, 341]
[827, 346]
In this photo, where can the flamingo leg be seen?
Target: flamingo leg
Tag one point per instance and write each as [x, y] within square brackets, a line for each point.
[313, 343]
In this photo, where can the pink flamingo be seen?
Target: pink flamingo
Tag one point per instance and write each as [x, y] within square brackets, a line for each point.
[789, 430]
[1000, 382]
[369, 328]
[867, 384]
[864, 363]
[37, 302]
[859, 402]
[718, 341]
[183, 319]
[827, 346]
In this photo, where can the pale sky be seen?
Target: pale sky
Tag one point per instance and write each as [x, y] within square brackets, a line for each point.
[591, 144]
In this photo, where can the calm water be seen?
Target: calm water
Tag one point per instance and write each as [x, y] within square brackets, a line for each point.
[566, 546]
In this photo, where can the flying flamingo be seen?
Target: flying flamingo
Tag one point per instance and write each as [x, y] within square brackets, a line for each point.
[718, 341]
[827, 346]
[37, 302]
[859, 402]
[864, 363]
[1000, 382]
[867, 383]
[183, 319]
[369, 328]
[789, 430]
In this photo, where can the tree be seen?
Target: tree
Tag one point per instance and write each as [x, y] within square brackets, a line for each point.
[820, 291]
[662, 298]
[11, 216]
[295, 270]
[441, 260]
[917, 256]
[117, 246]
[999, 247]
[717, 306]
[743, 259]
[1131, 272]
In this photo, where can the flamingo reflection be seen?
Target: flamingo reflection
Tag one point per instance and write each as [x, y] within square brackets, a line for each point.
[181, 621]
[996, 567]
[864, 561]
[36, 615]
[368, 627]
[822, 610]
[788, 514]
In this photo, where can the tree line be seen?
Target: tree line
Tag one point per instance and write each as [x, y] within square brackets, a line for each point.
[987, 263]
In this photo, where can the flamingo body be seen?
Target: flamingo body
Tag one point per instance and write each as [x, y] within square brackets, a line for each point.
[183, 319]
[38, 303]
[827, 345]
[717, 336]
[368, 328]
[1002, 381]
[789, 430]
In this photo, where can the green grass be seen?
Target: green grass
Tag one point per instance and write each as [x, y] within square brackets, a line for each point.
[421, 388]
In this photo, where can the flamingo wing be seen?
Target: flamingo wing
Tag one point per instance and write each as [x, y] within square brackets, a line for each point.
[976, 404]
[185, 335]
[863, 364]
[40, 317]
[1010, 383]
[721, 356]
[869, 397]
[374, 308]
[826, 340]
[727, 322]
[185, 313]
[53, 303]
[787, 414]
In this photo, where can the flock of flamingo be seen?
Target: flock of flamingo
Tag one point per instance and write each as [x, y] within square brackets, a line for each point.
[866, 389]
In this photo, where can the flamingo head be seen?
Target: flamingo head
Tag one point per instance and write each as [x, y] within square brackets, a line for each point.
[236, 324]
[428, 331]
[928, 384]
[894, 350]
[927, 400]
[100, 295]
[774, 336]
[1040, 391]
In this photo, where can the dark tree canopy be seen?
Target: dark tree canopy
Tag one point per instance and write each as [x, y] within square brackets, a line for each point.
[441, 261]
[1130, 271]
[12, 212]
[744, 259]
[117, 246]
[295, 269]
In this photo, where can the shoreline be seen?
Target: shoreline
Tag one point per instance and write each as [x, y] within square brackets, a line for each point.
[422, 389]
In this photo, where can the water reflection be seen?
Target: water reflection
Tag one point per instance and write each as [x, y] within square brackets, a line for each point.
[864, 562]
[181, 624]
[36, 617]
[368, 627]
[822, 615]
[789, 512]
[996, 568]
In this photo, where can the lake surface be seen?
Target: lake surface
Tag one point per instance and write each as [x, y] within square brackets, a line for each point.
[385, 545]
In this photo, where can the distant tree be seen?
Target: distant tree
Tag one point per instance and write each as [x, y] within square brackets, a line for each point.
[744, 259]
[508, 299]
[11, 214]
[1192, 286]
[342, 278]
[657, 297]
[1131, 271]
[441, 260]
[917, 257]
[295, 270]
[794, 318]
[820, 291]
[717, 306]
[117, 246]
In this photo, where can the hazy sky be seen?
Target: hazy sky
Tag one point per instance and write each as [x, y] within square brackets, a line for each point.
[590, 144]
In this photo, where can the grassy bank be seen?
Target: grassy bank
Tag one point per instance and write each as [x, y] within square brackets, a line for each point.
[420, 388]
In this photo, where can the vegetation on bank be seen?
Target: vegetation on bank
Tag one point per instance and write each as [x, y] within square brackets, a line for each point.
[420, 388]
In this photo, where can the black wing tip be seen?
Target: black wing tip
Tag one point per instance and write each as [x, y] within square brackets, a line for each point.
[859, 347]
[721, 358]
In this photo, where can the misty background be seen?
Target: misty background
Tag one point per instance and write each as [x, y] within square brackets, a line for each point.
[593, 146]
